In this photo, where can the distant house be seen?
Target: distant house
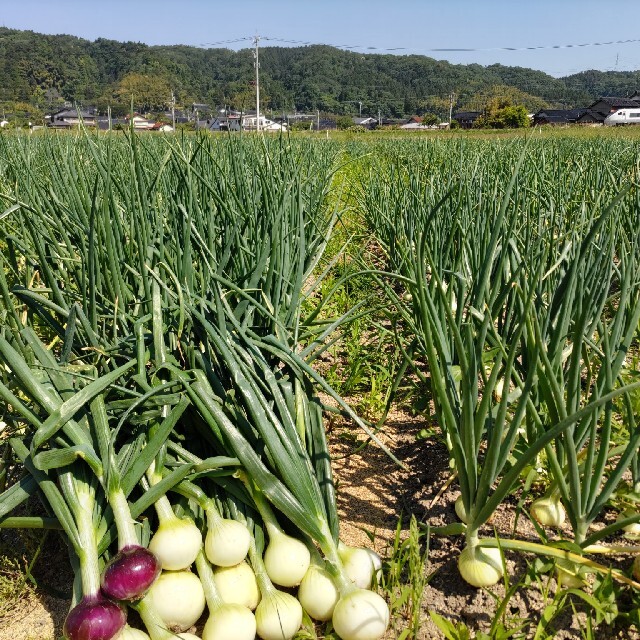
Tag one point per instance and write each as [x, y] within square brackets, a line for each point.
[235, 121]
[369, 123]
[181, 117]
[415, 123]
[557, 116]
[247, 122]
[591, 117]
[231, 121]
[162, 126]
[140, 123]
[610, 104]
[69, 118]
[218, 123]
[200, 107]
[466, 118]
[250, 123]
[391, 123]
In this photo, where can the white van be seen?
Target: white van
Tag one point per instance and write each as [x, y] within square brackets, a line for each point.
[623, 116]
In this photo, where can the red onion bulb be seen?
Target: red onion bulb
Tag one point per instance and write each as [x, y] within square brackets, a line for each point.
[94, 618]
[130, 573]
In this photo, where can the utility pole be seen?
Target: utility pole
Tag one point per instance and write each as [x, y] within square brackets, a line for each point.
[173, 110]
[452, 96]
[256, 40]
[318, 121]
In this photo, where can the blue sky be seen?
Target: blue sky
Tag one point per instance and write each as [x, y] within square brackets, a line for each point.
[374, 26]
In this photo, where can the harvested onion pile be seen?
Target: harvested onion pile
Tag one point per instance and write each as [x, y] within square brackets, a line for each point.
[161, 395]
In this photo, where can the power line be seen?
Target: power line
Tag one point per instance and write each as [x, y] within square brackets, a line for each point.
[215, 44]
[433, 49]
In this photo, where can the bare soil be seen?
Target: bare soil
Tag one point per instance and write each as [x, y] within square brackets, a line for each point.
[373, 494]
[39, 614]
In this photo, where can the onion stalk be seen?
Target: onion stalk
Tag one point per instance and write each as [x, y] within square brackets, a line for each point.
[94, 617]
[460, 510]
[279, 614]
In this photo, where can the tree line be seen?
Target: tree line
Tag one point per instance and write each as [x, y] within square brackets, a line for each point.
[41, 72]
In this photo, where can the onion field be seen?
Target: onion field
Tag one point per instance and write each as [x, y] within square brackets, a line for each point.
[195, 330]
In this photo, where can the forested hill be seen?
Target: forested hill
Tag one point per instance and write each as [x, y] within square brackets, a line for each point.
[46, 70]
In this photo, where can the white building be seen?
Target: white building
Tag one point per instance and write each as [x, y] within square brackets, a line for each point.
[248, 123]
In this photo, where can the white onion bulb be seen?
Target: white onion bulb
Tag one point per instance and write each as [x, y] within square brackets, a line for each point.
[227, 542]
[230, 622]
[317, 593]
[358, 565]
[178, 598]
[129, 633]
[549, 512]
[630, 530]
[480, 567]
[286, 559]
[361, 615]
[237, 585]
[377, 564]
[278, 616]
[568, 575]
[188, 636]
[176, 543]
